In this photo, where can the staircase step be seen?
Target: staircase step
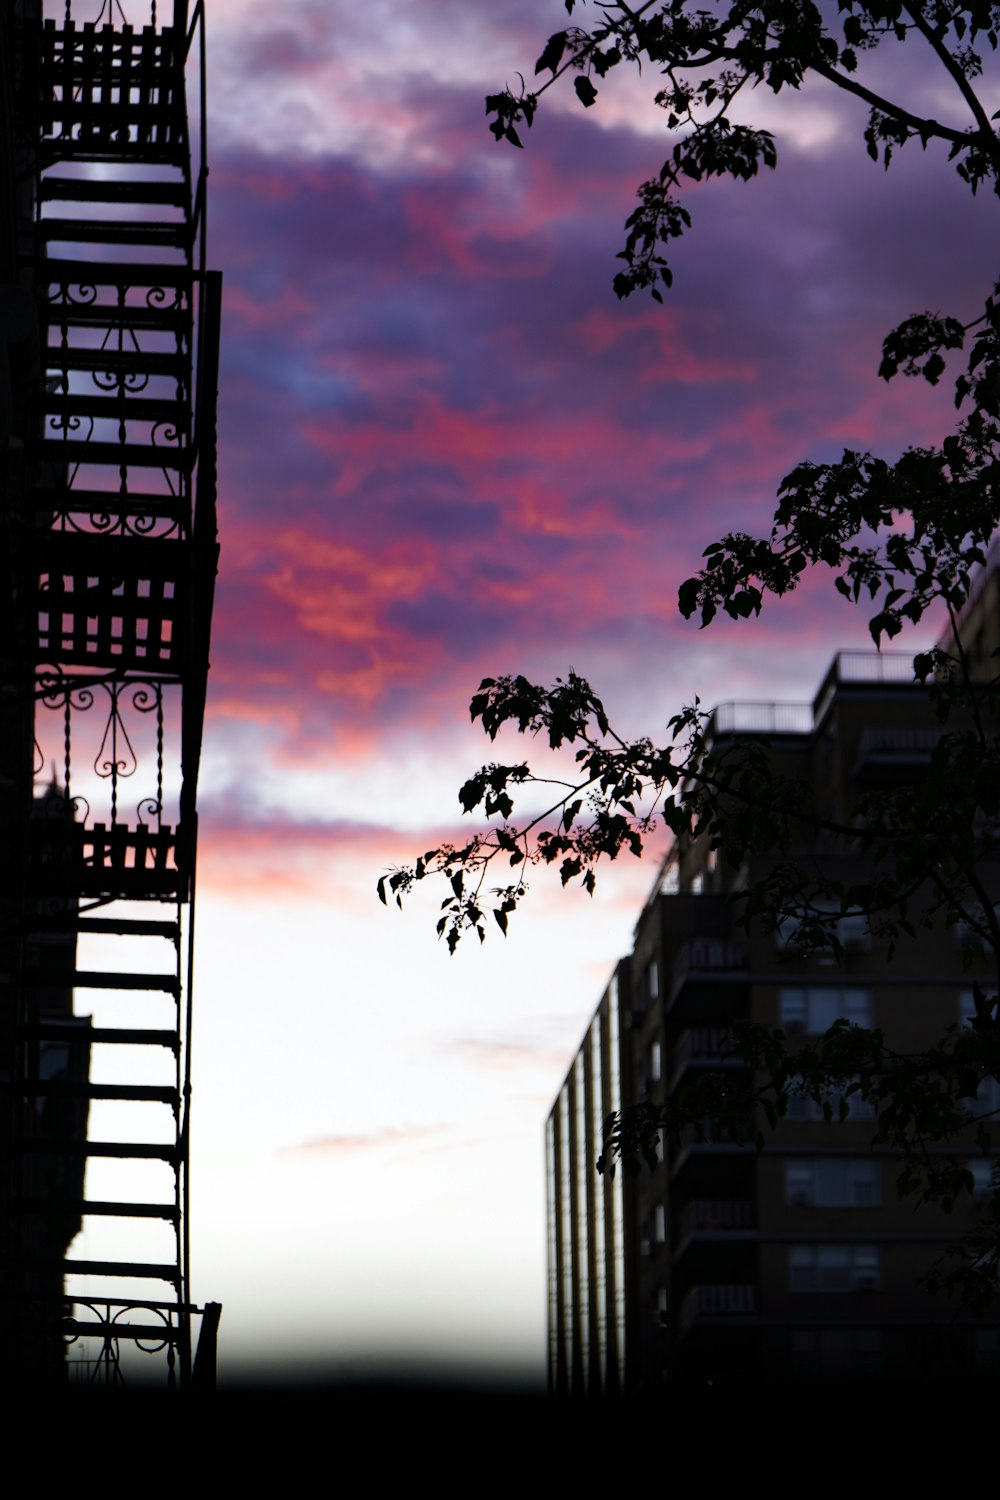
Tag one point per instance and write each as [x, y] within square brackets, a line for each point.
[106, 883]
[53, 189]
[144, 1269]
[56, 151]
[132, 455]
[134, 861]
[133, 318]
[99, 979]
[135, 408]
[121, 362]
[128, 1036]
[93, 563]
[98, 1208]
[107, 502]
[104, 118]
[112, 132]
[123, 1150]
[113, 232]
[118, 926]
[59, 1088]
[55, 271]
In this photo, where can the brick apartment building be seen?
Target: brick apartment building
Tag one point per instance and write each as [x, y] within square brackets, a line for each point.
[801, 1261]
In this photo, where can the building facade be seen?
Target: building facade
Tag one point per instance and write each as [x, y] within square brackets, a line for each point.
[587, 1238]
[800, 1261]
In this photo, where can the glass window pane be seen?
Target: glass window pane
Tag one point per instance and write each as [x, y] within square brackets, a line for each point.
[824, 1009]
[792, 1007]
[857, 1007]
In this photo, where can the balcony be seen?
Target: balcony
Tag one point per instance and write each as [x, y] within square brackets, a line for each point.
[889, 750]
[719, 1221]
[761, 718]
[702, 960]
[707, 1046]
[713, 1141]
[708, 1215]
[872, 667]
[728, 1300]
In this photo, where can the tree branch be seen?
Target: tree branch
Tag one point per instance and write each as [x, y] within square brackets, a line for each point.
[918, 124]
[964, 87]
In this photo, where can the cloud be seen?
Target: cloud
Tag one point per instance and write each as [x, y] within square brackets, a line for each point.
[388, 1137]
[447, 451]
[511, 1056]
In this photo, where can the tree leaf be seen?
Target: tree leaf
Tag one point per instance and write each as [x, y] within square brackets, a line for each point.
[585, 91]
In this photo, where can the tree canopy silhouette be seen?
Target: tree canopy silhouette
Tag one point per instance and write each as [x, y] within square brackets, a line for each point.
[900, 536]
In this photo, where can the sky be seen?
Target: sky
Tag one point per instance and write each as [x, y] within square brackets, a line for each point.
[447, 451]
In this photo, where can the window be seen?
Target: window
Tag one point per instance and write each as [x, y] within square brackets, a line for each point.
[967, 1008]
[833, 1268]
[982, 1169]
[654, 1063]
[852, 930]
[814, 1010]
[652, 980]
[987, 1098]
[972, 936]
[803, 1107]
[654, 1230]
[832, 1182]
[785, 932]
[867, 1267]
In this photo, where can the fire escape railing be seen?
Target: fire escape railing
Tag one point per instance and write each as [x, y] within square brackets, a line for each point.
[108, 520]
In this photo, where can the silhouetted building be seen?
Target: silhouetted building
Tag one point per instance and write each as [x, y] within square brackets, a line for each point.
[801, 1261]
[109, 327]
[42, 1131]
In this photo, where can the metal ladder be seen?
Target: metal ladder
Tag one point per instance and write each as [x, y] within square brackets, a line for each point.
[111, 511]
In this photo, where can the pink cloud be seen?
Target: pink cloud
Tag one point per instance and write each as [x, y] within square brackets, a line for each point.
[289, 307]
[447, 451]
[511, 1057]
[389, 1137]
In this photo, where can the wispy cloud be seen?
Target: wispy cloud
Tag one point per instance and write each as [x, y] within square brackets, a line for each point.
[386, 1138]
[511, 1056]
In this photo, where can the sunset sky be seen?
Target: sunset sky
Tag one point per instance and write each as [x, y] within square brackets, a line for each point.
[448, 451]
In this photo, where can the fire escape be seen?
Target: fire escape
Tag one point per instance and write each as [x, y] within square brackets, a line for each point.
[107, 514]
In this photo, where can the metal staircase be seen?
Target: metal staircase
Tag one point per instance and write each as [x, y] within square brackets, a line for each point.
[109, 521]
